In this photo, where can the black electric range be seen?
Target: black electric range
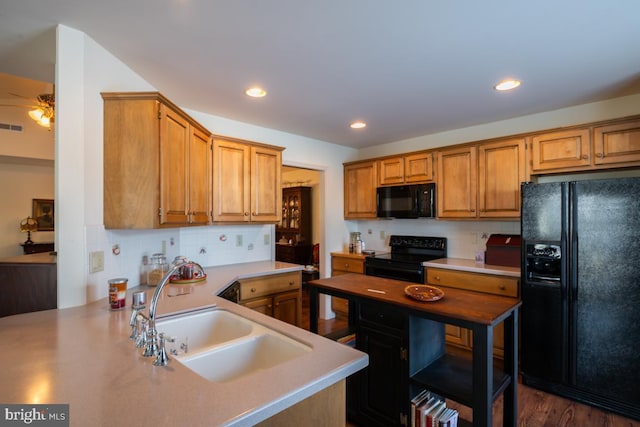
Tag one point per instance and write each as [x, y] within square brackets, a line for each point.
[404, 262]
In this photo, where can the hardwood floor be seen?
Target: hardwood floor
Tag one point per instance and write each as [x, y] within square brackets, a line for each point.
[535, 408]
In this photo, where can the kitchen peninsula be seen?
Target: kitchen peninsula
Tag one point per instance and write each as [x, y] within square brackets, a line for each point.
[83, 356]
[405, 340]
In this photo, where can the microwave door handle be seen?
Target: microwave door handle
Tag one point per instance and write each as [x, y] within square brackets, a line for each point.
[432, 201]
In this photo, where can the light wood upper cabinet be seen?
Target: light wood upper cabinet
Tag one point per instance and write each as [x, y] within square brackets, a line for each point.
[408, 169]
[156, 163]
[185, 162]
[561, 150]
[457, 182]
[246, 181]
[360, 180]
[501, 171]
[391, 171]
[617, 144]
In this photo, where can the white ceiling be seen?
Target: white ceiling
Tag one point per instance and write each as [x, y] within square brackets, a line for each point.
[408, 68]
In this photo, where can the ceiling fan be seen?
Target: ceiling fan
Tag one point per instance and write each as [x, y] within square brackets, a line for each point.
[42, 110]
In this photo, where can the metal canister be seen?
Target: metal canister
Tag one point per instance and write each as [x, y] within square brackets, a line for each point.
[117, 293]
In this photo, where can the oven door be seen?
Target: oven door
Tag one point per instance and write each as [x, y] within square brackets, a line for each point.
[397, 271]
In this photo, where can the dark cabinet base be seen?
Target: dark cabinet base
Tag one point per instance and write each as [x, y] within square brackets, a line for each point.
[27, 287]
[295, 254]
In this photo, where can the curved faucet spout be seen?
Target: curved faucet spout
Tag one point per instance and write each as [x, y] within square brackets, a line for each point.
[152, 348]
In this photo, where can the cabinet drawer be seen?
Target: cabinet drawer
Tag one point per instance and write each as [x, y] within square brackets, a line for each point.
[382, 316]
[487, 283]
[346, 264]
[270, 284]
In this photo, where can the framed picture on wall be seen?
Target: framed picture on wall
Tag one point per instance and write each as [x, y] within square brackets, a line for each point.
[43, 213]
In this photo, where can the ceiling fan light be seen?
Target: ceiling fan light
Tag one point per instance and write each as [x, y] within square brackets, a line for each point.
[44, 121]
[36, 114]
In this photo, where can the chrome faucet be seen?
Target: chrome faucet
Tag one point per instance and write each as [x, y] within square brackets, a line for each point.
[153, 347]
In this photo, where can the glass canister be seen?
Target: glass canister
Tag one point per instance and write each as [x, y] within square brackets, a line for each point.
[157, 269]
[353, 241]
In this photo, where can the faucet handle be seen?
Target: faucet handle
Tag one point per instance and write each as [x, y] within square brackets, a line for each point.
[141, 339]
[163, 358]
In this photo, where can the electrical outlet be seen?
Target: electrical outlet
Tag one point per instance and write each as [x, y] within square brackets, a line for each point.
[238, 240]
[96, 261]
[267, 239]
[250, 246]
[382, 236]
[473, 237]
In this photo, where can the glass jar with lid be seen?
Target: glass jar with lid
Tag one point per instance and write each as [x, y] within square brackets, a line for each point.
[157, 269]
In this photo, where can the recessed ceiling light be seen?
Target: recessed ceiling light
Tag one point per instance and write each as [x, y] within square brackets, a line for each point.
[358, 125]
[507, 84]
[255, 92]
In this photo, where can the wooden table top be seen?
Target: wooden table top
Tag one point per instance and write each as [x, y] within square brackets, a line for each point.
[462, 305]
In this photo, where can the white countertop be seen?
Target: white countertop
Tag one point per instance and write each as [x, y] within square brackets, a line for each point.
[472, 266]
[83, 356]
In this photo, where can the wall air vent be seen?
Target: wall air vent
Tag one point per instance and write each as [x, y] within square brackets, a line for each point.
[11, 128]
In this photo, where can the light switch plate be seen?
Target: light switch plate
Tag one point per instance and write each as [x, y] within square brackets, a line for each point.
[96, 261]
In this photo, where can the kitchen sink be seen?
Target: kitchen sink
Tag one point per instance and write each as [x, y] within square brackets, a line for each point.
[222, 346]
[195, 331]
[244, 357]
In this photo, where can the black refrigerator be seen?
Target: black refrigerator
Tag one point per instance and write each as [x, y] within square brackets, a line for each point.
[581, 291]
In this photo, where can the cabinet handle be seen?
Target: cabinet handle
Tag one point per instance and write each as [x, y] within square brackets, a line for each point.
[246, 214]
[438, 278]
[290, 283]
[346, 266]
[502, 287]
[599, 155]
[585, 157]
[253, 289]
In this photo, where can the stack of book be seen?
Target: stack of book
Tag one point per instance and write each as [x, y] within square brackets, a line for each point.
[429, 410]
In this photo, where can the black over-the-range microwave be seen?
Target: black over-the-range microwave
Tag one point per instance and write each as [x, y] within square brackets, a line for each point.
[406, 201]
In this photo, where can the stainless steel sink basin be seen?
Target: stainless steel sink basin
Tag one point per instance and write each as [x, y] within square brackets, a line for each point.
[221, 346]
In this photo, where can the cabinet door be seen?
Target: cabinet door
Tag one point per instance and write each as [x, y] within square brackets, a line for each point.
[418, 168]
[382, 386]
[287, 307]
[617, 144]
[457, 183]
[199, 177]
[174, 167]
[460, 337]
[266, 190]
[262, 305]
[231, 189]
[360, 190]
[561, 150]
[391, 171]
[501, 170]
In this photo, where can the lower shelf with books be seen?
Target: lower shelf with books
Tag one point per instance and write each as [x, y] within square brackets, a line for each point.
[430, 410]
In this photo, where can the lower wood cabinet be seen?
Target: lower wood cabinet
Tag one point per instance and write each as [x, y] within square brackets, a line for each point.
[343, 263]
[276, 295]
[479, 282]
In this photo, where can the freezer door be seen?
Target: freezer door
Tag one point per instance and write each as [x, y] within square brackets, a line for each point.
[541, 217]
[606, 293]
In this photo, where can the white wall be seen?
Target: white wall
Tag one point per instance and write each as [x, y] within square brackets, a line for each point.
[26, 173]
[22, 181]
